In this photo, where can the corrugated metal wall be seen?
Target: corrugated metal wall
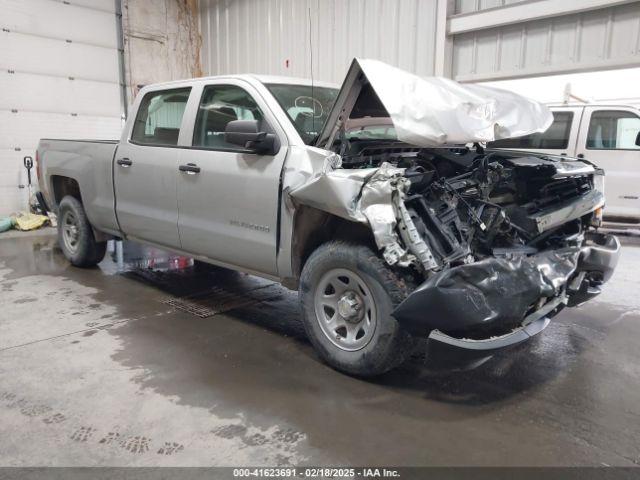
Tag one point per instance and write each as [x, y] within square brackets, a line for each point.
[274, 36]
[467, 6]
[593, 40]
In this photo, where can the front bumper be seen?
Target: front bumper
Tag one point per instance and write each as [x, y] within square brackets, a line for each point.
[499, 302]
[598, 260]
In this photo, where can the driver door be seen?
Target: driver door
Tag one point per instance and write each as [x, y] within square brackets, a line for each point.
[228, 203]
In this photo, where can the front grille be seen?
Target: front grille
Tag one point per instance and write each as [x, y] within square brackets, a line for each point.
[545, 194]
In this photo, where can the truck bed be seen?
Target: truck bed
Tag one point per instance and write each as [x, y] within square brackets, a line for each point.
[86, 162]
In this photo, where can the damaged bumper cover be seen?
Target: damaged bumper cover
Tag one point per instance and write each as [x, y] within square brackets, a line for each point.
[498, 302]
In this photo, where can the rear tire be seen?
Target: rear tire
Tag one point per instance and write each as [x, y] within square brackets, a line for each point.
[347, 293]
[75, 235]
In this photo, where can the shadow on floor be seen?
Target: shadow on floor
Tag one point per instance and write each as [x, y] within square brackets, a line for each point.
[434, 373]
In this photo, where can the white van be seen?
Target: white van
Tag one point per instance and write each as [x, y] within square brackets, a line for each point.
[606, 135]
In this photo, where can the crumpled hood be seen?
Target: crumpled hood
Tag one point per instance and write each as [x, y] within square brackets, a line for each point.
[435, 111]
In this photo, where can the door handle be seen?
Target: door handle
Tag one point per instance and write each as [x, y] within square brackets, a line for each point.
[189, 168]
[124, 162]
[580, 155]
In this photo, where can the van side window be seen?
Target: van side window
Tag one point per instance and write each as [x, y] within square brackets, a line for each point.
[159, 117]
[219, 105]
[555, 138]
[613, 130]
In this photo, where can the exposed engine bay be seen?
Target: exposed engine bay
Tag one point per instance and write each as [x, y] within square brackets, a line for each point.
[466, 204]
[499, 240]
[496, 236]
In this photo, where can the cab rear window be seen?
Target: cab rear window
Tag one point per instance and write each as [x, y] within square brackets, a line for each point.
[159, 117]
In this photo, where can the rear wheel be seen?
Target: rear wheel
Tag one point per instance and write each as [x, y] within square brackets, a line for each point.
[75, 235]
[347, 294]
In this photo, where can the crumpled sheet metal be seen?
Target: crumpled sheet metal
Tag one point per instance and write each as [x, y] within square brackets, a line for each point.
[377, 204]
[365, 196]
[492, 295]
[434, 111]
[335, 192]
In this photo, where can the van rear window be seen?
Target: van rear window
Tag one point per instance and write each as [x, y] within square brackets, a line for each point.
[555, 138]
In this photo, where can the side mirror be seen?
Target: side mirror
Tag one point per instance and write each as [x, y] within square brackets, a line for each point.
[638, 139]
[246, 134]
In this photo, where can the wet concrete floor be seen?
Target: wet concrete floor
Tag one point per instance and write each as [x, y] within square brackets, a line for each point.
[96, 368]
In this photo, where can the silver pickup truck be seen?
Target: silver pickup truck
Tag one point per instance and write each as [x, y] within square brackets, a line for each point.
[376, 201]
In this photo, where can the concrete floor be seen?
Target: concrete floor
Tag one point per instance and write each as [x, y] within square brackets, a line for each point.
[96, 370]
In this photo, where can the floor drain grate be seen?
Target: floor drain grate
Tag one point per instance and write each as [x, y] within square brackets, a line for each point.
[220, 300]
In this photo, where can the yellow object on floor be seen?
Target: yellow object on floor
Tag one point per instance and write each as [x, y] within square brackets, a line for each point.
[30, 221]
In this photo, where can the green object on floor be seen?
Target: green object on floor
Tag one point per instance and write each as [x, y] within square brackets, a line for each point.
[6, 224]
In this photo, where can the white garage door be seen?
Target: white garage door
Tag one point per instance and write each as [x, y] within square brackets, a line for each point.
[59, 78]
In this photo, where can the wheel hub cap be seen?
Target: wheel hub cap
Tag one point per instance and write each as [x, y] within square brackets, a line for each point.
[345, 309]
[70, 232]
[350, 307]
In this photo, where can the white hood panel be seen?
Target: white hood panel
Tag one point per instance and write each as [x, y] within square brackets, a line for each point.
[434, 111]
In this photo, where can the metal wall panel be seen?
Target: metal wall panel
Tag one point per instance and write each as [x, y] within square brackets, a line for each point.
[40, 93]
[59, 77]
[598, 39]
[468, 6]
[31, 54]
[25, 129]
[276, 36]
[103, 5]
[51, 19]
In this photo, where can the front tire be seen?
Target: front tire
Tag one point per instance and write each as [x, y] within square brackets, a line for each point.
[75, 235]
[348, 293]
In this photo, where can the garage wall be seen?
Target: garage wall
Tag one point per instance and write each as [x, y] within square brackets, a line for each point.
[59, 77]
[274, 36]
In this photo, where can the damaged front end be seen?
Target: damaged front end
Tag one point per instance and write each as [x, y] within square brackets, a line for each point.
[498, 241]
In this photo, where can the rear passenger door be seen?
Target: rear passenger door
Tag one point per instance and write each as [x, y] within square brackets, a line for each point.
[608, 139]
[146, 169]
[228, 207]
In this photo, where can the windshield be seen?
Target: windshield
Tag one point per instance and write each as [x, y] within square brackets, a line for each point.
[372, 132]
[307, 108]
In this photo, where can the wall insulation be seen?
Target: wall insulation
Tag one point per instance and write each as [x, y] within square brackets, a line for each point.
[161, 42]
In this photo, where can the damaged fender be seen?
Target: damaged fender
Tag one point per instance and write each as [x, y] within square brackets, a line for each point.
[374, 197]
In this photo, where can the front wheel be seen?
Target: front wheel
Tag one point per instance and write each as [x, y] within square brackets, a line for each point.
[347, 294]
[75, 235]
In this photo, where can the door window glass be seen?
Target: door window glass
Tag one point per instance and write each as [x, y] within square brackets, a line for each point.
[221, 104]
[159, 117]
[613, 130]
[555, 138]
